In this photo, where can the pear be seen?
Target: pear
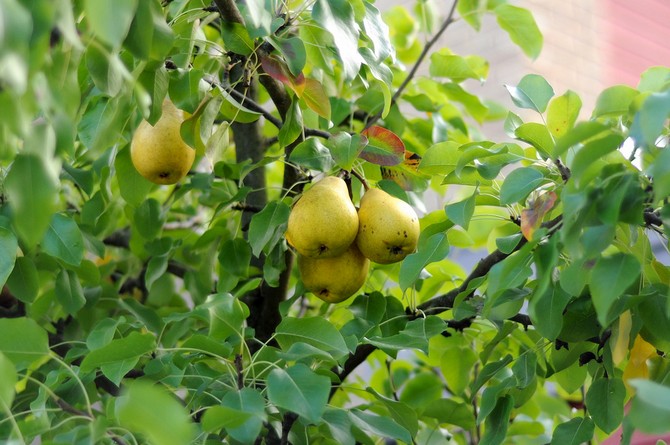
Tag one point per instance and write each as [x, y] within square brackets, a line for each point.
[323, 222]
[334, 279]
[158, 151]
[388, 227]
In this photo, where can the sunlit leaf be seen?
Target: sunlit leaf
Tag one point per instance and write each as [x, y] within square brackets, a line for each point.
[562, 113]
[29, 344]
[299, 389]
[383, 148]
[532, 92]
[337, 17]
[519, 184]
[314, 95]
[609, 279]
[521, 27]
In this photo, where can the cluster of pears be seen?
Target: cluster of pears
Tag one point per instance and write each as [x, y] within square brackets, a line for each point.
[335, 242]
[158, 152]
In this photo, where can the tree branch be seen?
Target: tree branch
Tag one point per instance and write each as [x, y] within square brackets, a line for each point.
[426, 49]
[229, 11]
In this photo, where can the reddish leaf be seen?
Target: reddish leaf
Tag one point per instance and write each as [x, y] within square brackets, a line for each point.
[531, 218]
[278, 70]
[404, 173]
[384, 147]
[315, 97]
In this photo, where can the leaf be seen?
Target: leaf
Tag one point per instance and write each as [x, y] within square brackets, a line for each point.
[312, 154]
[441, 158]
[402, 413]
[650, 409]
[660, 172]
[23, 282]
[650, 119]
[236, 38]
[131, 347]
[234, 257]
[315, 331]
[149, 36]
[63, 240]
[458, 68]
[31, 187]
[533, 91]
[521, 27]
[69, 292]
[112, 32]
[383, 148]
[562, 113]
[536, 135]
[345, 148]
[268, 226]
[581, 132]
[378, 32]
[278, 70]
[226, 315]
[609, 279]
[591, 152]
[133, 187]
[488, 371]
[519, 184]
[498, 421]
[546, 311]
[471, 11]
[416, 335]
[151, 410]
[8, 246]
[293, 51]
[316, 98]
[435, 248]
[292, 126]
[461, 212]
[241, 413]
[379, 426]
[614, 101]
[605, 400]
[337, 17]
[8, 379]
[452, 412]
[156, 267]
[24, 341]
[531, 218]
[300, 390]
[148, 219]
[574, 432]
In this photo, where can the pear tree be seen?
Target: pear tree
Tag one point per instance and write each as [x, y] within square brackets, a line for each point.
[148, 308]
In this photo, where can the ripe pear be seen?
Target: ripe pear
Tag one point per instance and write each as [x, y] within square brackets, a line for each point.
[388, 227]
[323, 222]
[334, 279]
[158, 152]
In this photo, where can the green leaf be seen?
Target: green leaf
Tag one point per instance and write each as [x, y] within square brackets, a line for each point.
[402, 413]
[268, 226]
[605, 400]
[441, 158]
[131, 347]
[574, 432]
[149, 36]
[8, 379]
[292, 126]
[378, 425]
[471, 11]
[300, 390]
[226, 314]
[106, 69]
[148, 218]
[241, 413]
[435, 248]
[650, 409]
[546, 311]
[609, 279]
[521, 27]
[337, 17]
[24, 341]
[458, 68]
[345, 148]
[151, 410]
[235, 256]
[8, 246]
[488, 371]
[519, 184]
[536, 135]
[660, 172]
[457, 365]
[31, 186]
[236, 38]
[614, 101]
[156, 267]
[378, 32]
[110, 21]
[650, 120]
[383, 148]
[312, 154]
[461, 212]
[69, 292]
[133, 187]
[562, 113]
[416, 335]
[591, 152]
[293, 50]
[581, 132]
[533, 92]
[452, 412]
[23, 282]
[315, 331]
[498, 421]
[63, 240]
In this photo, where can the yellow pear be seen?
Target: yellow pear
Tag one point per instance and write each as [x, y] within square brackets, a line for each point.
[334, 279]
[323, 222]
[158, 152]
[388, 227]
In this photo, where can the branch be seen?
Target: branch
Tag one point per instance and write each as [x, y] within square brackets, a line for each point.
[426, 49]
[229, 12]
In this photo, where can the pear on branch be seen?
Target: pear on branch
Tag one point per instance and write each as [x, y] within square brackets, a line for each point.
[323, 222]
[158, 152]
[334, 279]
[388, 228]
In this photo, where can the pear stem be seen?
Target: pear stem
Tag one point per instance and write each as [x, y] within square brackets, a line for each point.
[360, 177]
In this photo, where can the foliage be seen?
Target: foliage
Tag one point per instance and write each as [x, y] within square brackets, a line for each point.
[136, 313]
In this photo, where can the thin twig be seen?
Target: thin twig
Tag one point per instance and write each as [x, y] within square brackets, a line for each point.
[426, 49]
